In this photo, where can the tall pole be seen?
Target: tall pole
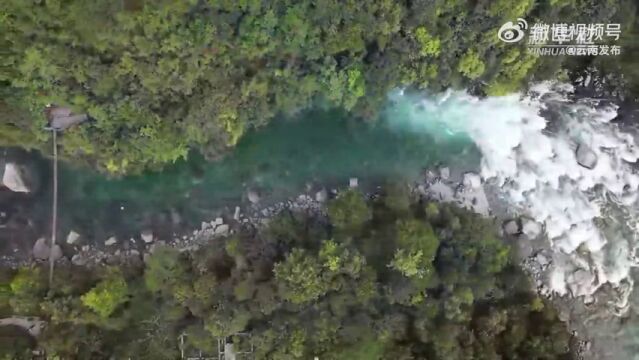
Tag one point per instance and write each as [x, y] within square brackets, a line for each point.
[55, 206]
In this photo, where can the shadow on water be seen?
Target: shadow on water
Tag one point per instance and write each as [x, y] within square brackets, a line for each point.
[320, 147]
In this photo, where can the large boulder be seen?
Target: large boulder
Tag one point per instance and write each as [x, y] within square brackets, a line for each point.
[16, 178]
[531, 228]
[147, 236]
[512, 227]
[586, 157]
[471, 180]
[321, 196]
[253, 196]
[73, 237]
[41, 249]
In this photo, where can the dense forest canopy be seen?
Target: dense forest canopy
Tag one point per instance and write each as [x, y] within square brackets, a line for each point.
[381, 278]
[159, 78]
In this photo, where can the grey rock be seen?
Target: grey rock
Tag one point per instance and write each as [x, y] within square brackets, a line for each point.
[14, 178]
[236, 215]
[444, 173]
[471, 180]
[176, 219]
[205, 225]
[222, 230]
[56, 252]
[542, 260]
[511, 227]
[531, 228]
[581, 282]
[321, 196]
[253, 196]
[353, 182]
[586, 157]
[219, 221]
[111, 241]
[79, 260]
[73, 237]
[147, 236]
[41, 249]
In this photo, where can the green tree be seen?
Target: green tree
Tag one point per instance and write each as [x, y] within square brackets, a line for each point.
[349, 211]
[300, 276]
[471, 65]
[107, 295]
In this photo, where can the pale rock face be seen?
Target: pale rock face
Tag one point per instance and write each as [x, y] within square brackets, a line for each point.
[321, 196]
[73, 237]
[147, 236]
[472, 180]
[253, 196]
[353, 182]
[222, 230]
[111, 241]
[444, 173]
[13, 178]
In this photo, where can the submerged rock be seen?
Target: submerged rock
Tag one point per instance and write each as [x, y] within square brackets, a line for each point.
[586, 157]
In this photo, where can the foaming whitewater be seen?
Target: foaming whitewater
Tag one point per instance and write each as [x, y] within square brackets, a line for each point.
[587, 213]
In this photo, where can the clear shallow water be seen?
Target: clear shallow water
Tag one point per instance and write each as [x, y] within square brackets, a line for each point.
[319, 147]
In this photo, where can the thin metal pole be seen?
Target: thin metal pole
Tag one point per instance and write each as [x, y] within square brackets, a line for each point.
[54, 221]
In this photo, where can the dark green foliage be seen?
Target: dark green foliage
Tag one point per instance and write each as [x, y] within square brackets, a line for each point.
[349, 211]
[444, 290]
[160, 77]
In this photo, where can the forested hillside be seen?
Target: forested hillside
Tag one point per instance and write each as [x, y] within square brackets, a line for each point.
[379, 279]
[158, 78]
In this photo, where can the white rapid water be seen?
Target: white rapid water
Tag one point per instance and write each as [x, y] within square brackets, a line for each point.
[587, 213]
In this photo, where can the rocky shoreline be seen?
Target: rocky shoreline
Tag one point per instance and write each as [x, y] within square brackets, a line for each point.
[460, 186]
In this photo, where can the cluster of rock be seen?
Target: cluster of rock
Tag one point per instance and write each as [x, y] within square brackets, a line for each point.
[117, 251]
[465, 189]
